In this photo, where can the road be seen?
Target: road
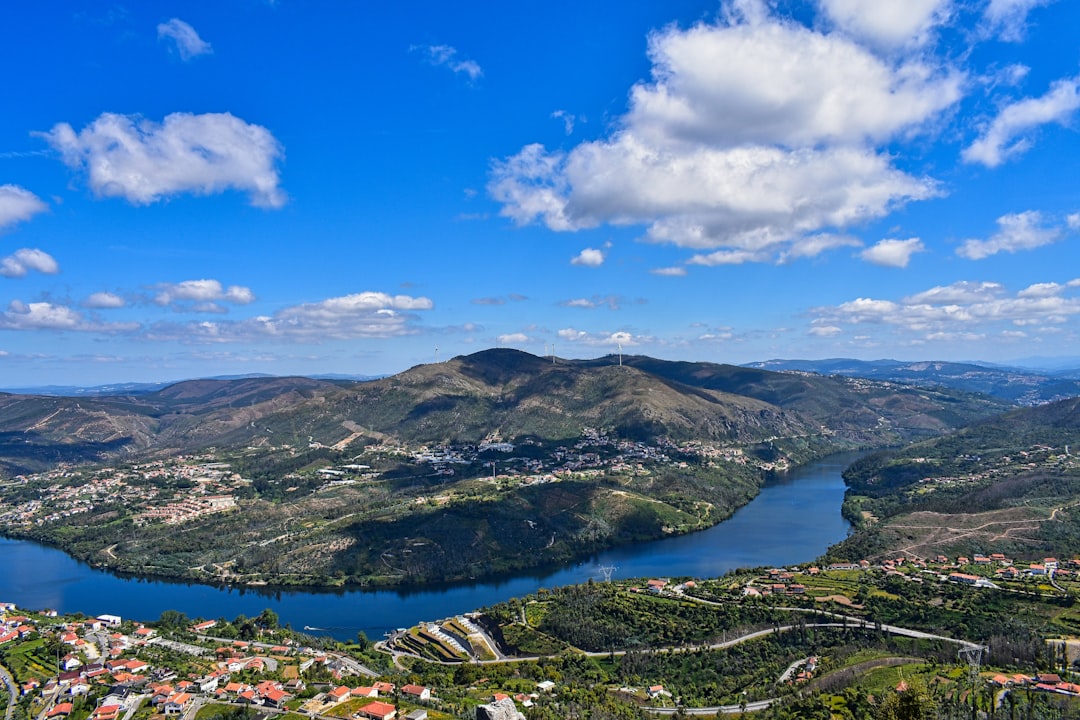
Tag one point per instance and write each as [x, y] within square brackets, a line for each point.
[12, 690]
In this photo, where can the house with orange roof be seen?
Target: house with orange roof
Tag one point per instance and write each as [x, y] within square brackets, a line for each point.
[60, 710]
[177, 703]
[377, 711]
[364, 692]
[339, 694]
[106, 712]
[417, 692]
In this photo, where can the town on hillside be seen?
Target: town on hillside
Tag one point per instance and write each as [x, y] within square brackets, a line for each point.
[787, 636]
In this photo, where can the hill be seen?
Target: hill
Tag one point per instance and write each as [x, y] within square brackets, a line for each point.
[1007, 484]
[505, 393]
[485, 463]
[1016, 385]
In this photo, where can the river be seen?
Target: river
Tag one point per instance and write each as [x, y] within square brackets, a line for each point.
[793, 519]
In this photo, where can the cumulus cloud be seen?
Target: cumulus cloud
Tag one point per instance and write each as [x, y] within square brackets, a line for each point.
[447, 56]
[143, 161]
[18, 205]
[104, 301]
[361, 315]
[888, 23]
[589, 257]
[603, 339]
[53, 316]
[22, 261]
[1008, 18]
[893, 253]
[754, 134]
[1018, 231]
[514, 339]
[1006, 137]
[184, 38]
[201, 295]
[960, 311]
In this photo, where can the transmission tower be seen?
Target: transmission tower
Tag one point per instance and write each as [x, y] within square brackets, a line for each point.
[972, 655]
[608, 570]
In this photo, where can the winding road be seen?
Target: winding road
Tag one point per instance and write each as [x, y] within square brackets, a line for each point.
[12, 690]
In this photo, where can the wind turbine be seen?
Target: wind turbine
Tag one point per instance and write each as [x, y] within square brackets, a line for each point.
[620, 354]
[436, 354]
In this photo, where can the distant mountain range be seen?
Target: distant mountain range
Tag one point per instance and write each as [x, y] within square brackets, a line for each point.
[136, 388]
[1016, 385]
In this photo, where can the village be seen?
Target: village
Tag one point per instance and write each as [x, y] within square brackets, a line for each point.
[113, 668]
[187, 488]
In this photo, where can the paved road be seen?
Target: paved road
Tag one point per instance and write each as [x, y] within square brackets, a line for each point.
[13, 692]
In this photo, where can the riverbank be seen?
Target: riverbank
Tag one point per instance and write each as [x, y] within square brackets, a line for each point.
[805, 503]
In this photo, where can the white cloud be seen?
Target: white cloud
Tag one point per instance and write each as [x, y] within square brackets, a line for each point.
[589, 257]
[514, 339]
[893, 253]
[1008, 18]
[22, 261]
[825, 330]
[1041, 290]
[611, 302]
[669, 271]
[104, 301]
[361, 315]
[962, 311]
[18, 205]
[201, 295]
[963, 292]
[1019, 231]
[888, 23]
[185, 39]
[603, 339]
[143, 161]
[813, 245]
[567, 119]
[752, 136]
[447, 56]
[1004, 136]
[52, 316]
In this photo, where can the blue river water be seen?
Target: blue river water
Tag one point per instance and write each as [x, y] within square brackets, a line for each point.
[793, 519]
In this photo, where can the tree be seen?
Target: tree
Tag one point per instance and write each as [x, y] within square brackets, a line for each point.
[173, 620]
[267, 620]
[910, 702]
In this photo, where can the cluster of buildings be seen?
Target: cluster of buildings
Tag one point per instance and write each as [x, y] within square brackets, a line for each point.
[188, 509]
[172, 491]
[103, 664]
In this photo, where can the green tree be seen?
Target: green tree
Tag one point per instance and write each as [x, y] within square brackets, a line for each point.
[911, 701]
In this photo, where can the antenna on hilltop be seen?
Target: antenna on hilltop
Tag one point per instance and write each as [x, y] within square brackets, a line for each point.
[608, 570]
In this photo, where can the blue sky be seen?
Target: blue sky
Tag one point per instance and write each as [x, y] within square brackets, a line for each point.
[202, 188]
